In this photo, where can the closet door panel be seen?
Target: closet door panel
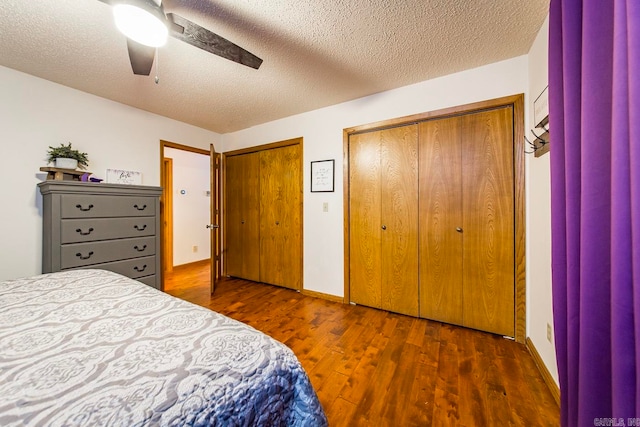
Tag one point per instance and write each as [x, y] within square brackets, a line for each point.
[488, 222]
[365, 219]
[399, 219]
[280, 217]
[440, 217]
[242, 221]
[233, 217]
[290, 227]
[251, 216]
[271, 207]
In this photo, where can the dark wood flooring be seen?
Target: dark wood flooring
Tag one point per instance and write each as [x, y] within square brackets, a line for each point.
[374, 368]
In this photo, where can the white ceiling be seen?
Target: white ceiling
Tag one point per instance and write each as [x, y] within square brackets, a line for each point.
[316, 52]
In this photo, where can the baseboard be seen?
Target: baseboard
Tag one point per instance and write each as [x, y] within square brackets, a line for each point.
[322, 296]
[546, 375]
[193, 264]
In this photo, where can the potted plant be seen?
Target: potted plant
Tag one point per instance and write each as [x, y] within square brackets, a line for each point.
[66, 157]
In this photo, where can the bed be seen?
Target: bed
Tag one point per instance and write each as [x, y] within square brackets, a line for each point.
[92, 348]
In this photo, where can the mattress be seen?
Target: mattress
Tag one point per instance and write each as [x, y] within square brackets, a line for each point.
[93, 348]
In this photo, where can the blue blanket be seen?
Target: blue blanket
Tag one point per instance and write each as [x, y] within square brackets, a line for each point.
[93, 348]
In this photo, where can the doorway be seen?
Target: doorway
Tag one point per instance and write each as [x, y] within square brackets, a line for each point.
[189, 212]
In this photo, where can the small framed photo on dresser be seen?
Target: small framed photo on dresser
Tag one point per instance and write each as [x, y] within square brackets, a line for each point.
[322, 176]
[118, 176]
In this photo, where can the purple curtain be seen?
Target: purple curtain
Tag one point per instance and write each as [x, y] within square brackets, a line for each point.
[594, 88]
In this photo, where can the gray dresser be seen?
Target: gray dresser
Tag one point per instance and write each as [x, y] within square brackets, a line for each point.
[107, 226]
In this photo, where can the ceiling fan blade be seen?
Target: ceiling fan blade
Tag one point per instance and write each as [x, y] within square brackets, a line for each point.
[187, 31]
[141, 57]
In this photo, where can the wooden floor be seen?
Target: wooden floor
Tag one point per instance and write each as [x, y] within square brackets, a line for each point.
[373, 368]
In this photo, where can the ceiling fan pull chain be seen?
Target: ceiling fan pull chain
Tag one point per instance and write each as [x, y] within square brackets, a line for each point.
[157, 79]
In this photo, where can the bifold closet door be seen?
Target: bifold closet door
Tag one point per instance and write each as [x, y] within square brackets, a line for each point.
[489, 223]
[233, 203]
[365, 201]
[467, 235]
[383, 169]
[242, 216]
[399, 176]
[281, 217]
[441, 232]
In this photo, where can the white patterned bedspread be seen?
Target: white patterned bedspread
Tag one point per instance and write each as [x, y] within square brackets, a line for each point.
[93, 348]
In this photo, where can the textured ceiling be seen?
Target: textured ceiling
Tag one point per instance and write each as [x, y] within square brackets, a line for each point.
[316, 52]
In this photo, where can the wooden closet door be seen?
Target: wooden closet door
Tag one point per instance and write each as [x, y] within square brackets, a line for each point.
[281, 217]
[242, 221]
[365, 281]
[383, 219]
[488, 220]
[233, 217]
[440, 218]
[250, 221]
[399, 219]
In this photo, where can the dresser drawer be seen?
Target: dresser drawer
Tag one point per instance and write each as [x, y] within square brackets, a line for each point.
[88, 230]
[83, 254]
[134, 268]
[99, 206]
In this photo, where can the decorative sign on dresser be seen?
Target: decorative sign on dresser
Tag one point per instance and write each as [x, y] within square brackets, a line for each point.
[106, 226]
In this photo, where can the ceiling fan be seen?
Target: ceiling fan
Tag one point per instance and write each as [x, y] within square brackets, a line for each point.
[147, 26]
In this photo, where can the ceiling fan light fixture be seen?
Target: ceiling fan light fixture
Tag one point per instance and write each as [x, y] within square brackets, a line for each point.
[142, 21]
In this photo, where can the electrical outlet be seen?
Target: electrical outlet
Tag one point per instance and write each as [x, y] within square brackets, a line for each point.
[195, 249]
[325, 207]
[548, 332]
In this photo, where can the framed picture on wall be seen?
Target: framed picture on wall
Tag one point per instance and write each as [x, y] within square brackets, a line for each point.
[322, 176]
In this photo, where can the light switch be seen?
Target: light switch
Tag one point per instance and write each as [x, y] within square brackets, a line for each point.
[325, 207]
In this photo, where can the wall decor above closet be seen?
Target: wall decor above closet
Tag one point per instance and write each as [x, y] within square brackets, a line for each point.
[540, 144]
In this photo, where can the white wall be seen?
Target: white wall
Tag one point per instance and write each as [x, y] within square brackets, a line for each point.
[191, 205]
[539, 296]
[36, 113]
[322, 132]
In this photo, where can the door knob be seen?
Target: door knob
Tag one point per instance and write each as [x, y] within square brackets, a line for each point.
[212, 226]
[459, 230]
[384, 227]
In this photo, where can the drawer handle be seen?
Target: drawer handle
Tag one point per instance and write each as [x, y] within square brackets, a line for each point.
[140, 270]
[140, 208]
[83, 209]
[82, 233]
[79, 255]
[140, 249]
[144, 227]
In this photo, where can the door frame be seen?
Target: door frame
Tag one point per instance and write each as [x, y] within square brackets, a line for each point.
[215, 220]
[166, 213]
[163, 215]
[517, 103]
